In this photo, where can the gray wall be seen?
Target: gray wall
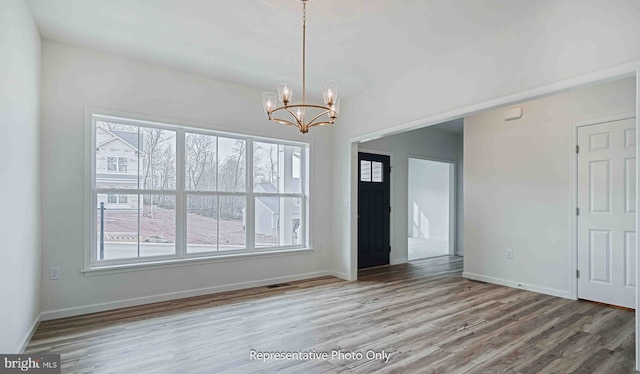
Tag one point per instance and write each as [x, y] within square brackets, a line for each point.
[518, 186]
[425, 143]
[19, 174]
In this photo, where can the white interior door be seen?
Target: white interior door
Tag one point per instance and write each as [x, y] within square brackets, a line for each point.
[606, 220]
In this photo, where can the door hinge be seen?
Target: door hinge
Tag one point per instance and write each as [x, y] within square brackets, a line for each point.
[577, 273]
[577, 211]
[389, 248]
[577, 149]
[389, 209]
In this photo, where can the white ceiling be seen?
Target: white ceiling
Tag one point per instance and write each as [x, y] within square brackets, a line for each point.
[257, 42]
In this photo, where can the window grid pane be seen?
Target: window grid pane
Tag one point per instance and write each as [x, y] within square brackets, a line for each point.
[278, 221]
[202, 223]
[276, 168]
[365, 171]
[232, 223]
[200, 162]
[157, 225]
[158, 158]
[231, 164]
[376, 171]
[117, 156]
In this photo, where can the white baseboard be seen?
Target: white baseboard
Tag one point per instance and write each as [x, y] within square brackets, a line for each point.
[397, 261]
[340, 275]
[101, 307]
[27, 338]
[522, 286]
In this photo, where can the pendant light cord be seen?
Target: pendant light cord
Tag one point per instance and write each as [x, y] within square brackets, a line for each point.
[304, 48]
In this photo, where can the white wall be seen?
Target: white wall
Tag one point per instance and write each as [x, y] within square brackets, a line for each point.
[518, 186]
[74, 78]
[19, 174]
[428, 199]
[561, 42]
[427, 143]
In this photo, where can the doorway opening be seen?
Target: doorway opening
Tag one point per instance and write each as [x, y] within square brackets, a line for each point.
[431, 190]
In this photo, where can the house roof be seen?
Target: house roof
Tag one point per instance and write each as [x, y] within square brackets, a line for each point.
[271, 188]
[266, 187]
[132, 139]
[271, 202]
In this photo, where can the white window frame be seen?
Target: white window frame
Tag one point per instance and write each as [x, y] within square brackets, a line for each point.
[180, 193]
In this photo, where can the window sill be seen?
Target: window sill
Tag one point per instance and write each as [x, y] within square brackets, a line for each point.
[114, 269]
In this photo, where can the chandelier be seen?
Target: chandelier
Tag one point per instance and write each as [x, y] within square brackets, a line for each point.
[298, 113]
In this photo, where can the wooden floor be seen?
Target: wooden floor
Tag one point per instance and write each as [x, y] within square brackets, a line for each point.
[423, 313]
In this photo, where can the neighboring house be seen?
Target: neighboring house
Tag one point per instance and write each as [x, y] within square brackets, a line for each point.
[117, 155]
[267, 213]
[267, 209]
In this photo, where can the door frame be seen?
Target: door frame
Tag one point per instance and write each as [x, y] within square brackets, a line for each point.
[453, 198]
[574, 192]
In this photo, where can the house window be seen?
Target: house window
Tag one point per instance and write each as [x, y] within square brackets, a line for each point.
[117, 199]
[118, 164]
[112, 163]
[183, 193]
[122, 164]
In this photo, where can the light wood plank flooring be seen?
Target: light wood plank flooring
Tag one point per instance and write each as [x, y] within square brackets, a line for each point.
[424, 313]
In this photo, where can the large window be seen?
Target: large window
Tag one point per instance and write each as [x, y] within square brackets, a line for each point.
[162, 192]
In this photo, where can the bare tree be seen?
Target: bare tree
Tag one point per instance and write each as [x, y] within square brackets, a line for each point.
[265, 163]
[273, 164]
[152, 142]
[117, 127]
[231, 177]
[199, 159]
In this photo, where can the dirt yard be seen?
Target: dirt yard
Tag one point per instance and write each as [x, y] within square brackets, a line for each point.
[159, 227]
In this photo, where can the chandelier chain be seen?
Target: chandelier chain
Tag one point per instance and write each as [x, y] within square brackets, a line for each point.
[304, 51]
[304, 12]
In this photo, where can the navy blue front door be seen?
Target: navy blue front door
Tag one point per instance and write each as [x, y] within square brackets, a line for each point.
[373, 210]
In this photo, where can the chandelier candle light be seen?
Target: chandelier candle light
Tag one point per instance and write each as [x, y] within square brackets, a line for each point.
[320, 114]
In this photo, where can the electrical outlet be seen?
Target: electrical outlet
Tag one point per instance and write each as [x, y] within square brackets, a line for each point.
[54, 273]
[509, 254]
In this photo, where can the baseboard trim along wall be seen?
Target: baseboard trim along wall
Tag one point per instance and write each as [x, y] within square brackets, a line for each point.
[522, 286]
[396, 261]
[27, 338]
[340, 275]
[101, 307]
